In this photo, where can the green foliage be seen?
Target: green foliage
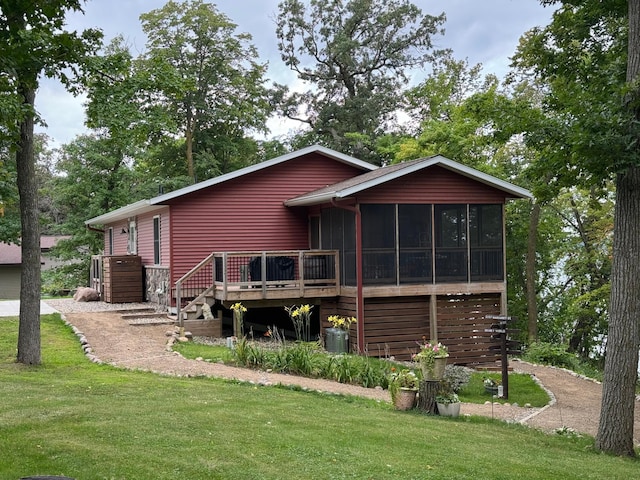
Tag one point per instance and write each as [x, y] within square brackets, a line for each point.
[456, 377]
[522, 390]
[551, 354]
[86, 415]
[354, 56]
[194, 59]
[61, 280]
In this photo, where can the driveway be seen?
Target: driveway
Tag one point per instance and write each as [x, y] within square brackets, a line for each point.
[11, 308]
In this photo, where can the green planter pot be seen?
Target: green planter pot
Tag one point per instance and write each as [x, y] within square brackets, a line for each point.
[336, 340]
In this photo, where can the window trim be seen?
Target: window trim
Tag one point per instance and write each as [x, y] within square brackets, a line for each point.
[157, 240]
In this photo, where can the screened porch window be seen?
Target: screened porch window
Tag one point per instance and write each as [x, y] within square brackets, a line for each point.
[414, 241]
[418, 243]
[378, 244]
[485, 236]
[337, 232]
[451, 243]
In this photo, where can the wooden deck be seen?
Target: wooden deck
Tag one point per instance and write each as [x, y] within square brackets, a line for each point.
[231, 277]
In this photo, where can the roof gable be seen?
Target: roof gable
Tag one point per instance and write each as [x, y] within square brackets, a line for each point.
[383, 175]
[147, 206]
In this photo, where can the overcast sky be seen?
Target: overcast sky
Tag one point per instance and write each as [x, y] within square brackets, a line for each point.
[483, 31]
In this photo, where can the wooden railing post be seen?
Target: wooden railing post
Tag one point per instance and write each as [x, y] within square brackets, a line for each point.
[301, 260]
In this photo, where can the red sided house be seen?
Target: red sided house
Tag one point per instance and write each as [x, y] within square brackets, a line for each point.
[411, 250]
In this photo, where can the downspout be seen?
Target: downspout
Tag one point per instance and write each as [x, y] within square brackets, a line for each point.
[359, 289]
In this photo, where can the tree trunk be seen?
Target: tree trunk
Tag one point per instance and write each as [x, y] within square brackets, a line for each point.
[532, 298]
[427, 396]
[188, 140]
[29, 329]
[615, 431]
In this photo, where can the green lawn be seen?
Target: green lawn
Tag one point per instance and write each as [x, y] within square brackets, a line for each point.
[71, 417]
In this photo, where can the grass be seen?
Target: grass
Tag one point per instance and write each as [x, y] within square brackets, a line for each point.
[86, 421]
[522, 389]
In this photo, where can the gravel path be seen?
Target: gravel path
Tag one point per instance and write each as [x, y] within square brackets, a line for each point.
[575, 400]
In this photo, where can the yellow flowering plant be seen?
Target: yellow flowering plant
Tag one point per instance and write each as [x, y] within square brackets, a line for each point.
[340, 322]
[238, 315]
[301, 319]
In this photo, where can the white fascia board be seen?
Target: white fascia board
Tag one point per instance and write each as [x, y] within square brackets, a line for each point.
[137, 208]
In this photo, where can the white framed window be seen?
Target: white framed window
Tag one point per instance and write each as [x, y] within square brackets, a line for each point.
[156, 240]
[110, 241]
[132, 243]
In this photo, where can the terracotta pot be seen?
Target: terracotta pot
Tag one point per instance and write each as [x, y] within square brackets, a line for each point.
[405, 399]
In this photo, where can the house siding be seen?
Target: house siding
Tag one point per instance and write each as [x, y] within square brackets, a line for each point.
[432, 185]
[248, 213]
[119, 238]
[145, 237]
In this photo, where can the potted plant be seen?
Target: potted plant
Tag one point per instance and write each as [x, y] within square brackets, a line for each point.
[432, 358]
[491, 386]
[403, 386]
[337, 337]
[448, 404]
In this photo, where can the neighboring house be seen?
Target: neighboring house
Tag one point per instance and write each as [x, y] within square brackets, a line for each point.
[11, 265]
[412, 250]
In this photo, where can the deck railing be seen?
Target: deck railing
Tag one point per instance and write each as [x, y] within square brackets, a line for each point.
[234, 276]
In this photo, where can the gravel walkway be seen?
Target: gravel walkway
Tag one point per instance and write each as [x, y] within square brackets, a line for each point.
[575, 400]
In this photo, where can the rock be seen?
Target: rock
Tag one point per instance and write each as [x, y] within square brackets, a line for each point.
[183, 339]
[189, 335]
[86, 294]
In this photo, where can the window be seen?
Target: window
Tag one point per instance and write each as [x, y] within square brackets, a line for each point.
[337, 232]
[451, 243]
[132, 242]
[414, 240]
[110, 241]
[485, 238]
[378, 243]
[156, 240]
[314, 232]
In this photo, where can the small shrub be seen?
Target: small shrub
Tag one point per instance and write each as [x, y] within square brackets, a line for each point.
[456, 377]
[550, 354]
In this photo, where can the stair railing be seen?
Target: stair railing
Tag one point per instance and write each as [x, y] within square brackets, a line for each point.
[199, 281]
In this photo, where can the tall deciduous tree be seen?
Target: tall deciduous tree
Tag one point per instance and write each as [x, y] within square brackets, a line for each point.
[354, 57]
[593, 93]
[33, 42]
[204, 75]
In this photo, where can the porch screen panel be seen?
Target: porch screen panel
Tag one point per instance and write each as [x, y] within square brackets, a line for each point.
[450, 243]
[337, 232]
[415, 243]
[485, 239]
[348, 260]
[378, 244]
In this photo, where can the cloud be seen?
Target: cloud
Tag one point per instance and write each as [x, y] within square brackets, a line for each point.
[485, 32]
